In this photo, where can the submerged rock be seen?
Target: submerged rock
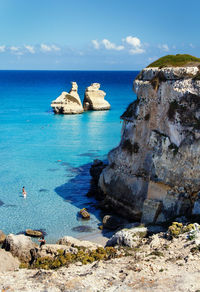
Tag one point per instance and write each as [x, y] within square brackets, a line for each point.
[154, 173]
[94, 98]
[83, 228]
[68, 103]
[33, 233]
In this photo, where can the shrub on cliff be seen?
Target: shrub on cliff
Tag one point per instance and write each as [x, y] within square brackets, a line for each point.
[179, 60]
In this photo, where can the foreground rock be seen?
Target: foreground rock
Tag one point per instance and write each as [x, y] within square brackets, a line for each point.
[128, 237]
[19, 246]
[94, 98]
[7, 261]
[157, 264]
[153, 175]
[68, 103]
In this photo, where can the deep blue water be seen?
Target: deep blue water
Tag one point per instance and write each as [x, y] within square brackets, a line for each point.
[51, 154]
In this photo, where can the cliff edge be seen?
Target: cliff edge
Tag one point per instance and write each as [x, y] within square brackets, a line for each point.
[153, 175]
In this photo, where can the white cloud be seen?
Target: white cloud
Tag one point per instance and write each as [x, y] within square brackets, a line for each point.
[133, 41]
[45, 48]
[135, 45]
[2, 49]
[30, 49]
[111, 46]
[14, 49]
[164, 47]
[192, 46]
[96, 44]
[55, 48]
[50, 48]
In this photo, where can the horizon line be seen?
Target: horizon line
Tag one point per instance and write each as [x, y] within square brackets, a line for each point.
[69, 70]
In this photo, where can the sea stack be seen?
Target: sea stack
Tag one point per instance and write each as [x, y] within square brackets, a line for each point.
[94, 98]
[68, 103]
[153, 175]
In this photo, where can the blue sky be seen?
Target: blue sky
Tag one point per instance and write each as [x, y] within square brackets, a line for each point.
[95, 34]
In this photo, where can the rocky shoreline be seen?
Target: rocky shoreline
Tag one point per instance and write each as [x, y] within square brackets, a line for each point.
[137, 261]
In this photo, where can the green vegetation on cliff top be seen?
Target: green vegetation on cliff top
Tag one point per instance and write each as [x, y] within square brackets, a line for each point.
[179, 60]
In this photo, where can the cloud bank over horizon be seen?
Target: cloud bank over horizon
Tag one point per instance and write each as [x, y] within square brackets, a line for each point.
[47, 35]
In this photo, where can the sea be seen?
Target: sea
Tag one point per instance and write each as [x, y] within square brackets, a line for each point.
[50, 155]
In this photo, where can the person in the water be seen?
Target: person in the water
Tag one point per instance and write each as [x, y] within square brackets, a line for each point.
[24, 192]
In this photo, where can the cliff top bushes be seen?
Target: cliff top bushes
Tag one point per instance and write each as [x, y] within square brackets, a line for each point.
[179, 60]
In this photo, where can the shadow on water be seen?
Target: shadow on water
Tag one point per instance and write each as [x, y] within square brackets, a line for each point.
[75, 190]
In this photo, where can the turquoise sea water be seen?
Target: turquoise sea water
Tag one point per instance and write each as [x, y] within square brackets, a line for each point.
[51, 154]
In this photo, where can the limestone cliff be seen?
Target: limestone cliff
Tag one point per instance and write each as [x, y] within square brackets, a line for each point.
[154, 173]
[68, 103]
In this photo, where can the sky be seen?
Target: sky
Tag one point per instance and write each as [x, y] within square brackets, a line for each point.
[95, 34]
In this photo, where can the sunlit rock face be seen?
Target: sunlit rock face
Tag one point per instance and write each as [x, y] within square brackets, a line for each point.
[94, 98]
[68, 103]
[153, 175]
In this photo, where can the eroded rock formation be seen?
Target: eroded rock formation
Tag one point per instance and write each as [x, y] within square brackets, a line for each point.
[153, 175]
[94, 98]
[68, 103]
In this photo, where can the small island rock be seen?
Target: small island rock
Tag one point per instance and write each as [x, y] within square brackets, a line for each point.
[68, 103]
[94, 98]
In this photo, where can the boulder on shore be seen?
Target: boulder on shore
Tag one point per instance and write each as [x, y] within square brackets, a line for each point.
[68, 103]
[113, 222]
[84, 213]
[74, 242]
[94, 98]
[128, 237]
[19, 246]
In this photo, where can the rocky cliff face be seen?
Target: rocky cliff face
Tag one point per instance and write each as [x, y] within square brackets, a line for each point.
[153, 174]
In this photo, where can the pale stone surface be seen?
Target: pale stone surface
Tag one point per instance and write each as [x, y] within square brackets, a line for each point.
[68, 103]
[7, 261]
[157, 265]
[52, 250]
[71, 241]
[158, 156]
[19, 246]
[94, 98]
